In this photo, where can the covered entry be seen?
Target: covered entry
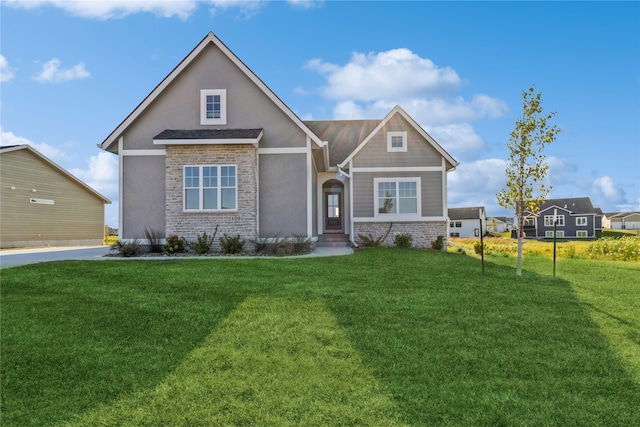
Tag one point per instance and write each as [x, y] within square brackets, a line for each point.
[333, 206]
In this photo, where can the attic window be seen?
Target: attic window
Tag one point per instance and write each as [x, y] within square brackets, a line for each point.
[213, 107]
[396, 142]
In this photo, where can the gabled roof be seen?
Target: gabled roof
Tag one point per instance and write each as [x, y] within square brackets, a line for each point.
[465, 213]
[576, 206]
[157, 91]
[8, 149]
[342, 136]
[398, 110]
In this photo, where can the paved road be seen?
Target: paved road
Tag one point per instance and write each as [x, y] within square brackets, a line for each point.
[15, 257]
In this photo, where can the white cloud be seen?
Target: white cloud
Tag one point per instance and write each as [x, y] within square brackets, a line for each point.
[52, 153]
[52, 73]
[605, 187]
[394, 74]
[101, 174]
[306, 4]
[6, 73]
[476, 184]
[101, 9]
[459, 139]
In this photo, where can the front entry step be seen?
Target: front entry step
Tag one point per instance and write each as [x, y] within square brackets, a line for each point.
[333, 241]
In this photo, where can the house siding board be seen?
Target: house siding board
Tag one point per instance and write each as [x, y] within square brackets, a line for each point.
[178, 107]
[363, 189]
[419, 153]
[143, 198]
[283, 195]
[190, 225]
[76, 217]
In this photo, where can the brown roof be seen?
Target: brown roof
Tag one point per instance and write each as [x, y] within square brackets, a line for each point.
[343, 136]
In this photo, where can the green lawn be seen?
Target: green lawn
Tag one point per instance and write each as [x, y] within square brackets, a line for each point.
[383, 337]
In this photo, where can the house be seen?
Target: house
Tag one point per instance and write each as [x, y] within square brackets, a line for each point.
[622, 220]
[466, 222]
[41, 204]
[499, 224]
[576, 218]
[212, 145]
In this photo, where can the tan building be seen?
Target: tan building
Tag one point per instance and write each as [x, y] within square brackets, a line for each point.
[41, 204]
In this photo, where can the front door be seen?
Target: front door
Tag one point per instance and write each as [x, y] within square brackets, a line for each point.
[333, 212]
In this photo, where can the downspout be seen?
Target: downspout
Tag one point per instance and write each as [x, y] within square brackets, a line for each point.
[351, 230]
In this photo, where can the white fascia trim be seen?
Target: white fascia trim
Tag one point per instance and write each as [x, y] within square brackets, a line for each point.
[351, 219]
[445, 202]
[229, 141]
[123, 152]
[309, 189]
[401, 219]
[120, 185]
[284, 150]
[399, 169]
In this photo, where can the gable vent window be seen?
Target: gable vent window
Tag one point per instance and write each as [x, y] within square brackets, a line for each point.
[396, 142]
[213, 107]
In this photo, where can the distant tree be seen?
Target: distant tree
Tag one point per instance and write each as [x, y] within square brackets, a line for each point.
[527, 168]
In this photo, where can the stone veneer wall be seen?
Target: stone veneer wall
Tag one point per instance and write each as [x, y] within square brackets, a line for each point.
[424, 233]
[189, 225]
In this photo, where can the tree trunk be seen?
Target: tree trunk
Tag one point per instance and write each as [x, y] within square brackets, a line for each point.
[519, 265]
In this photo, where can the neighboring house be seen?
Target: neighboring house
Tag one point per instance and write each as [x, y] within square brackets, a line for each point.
[623, 220]
[499, 224]
[212, 145]
[576, 218]
[465, 222]
[41, 204]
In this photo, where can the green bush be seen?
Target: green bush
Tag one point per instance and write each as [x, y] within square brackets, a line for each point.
[368, 241]
[126, 249]
[404, 240]
[175, 245]
[153, 237]
[438, 244]
[231, 244]
[203, 242]
[481, 248]
[301, 244]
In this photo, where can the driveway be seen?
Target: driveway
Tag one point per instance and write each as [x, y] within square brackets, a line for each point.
[16, 257]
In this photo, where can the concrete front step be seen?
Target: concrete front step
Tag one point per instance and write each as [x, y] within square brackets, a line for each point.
[333, 241]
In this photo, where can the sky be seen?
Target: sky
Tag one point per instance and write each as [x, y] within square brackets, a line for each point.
[72, 70]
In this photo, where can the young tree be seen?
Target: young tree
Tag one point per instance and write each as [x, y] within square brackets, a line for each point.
[527, 168]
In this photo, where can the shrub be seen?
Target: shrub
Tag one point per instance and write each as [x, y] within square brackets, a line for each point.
[203, 242]
[277, 246]
[153, 239]
[438, 244]
[403, 240]
[175, 245]
[126, 249]
[622, 249]
[231, 244]
[570, 251]
[481, 248]
[369, 241]
[300, 244]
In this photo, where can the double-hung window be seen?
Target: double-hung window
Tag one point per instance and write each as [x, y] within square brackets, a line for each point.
[213, 107]
[210, 188]
[581, 220]
[397, 196]
[548, 220]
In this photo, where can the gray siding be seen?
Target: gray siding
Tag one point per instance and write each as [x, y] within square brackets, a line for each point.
[143, 197]
[570, 228]
[363, 190]
[75, 217]
[247, 106]
[282, 189]
[419, 152]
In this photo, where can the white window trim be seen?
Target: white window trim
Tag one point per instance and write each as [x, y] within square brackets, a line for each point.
[223, 107]
[549, 233]
[201, 190]
[397, 216]
[390, 135]
[581, 221]
[582, 233]
[548, 221]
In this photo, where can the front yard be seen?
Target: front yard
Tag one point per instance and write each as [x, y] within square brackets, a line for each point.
[383, 337]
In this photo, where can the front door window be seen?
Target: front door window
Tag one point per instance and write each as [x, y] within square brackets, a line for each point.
[333, 211]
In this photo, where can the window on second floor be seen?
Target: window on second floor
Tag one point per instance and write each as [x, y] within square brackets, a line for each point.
[397, 141]
[213, 107]
[581, 220]
[548, 220]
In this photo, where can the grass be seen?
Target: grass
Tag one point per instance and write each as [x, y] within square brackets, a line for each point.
[383, 337]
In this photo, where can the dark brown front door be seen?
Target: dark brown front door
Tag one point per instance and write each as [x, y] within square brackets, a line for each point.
[333, 212]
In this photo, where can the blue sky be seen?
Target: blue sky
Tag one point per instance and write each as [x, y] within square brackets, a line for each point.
[71, 71]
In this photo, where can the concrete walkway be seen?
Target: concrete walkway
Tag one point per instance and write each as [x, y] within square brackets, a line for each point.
[17, 257]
